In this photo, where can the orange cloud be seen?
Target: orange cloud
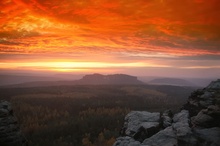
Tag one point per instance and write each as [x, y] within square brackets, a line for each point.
[78, 30]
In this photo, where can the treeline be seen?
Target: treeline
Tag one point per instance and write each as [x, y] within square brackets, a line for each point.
[44, 126]
[85, 115]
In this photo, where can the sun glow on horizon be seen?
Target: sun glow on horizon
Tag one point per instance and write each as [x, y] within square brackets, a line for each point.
[74, 66]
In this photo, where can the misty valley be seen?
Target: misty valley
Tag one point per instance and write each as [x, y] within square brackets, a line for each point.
[86, 115]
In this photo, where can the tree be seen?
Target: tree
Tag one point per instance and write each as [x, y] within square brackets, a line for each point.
[86, 141]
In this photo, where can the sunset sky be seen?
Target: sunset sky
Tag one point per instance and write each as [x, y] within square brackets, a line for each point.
[176, 38]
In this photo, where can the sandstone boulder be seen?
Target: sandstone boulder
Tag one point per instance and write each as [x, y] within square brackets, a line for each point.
[182, 128]
[208, 136]
[141, 124]
[167, 118]
[126, 141]
[207, 118]
[165, 137]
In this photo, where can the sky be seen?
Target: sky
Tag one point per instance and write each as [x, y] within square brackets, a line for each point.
[175, 38]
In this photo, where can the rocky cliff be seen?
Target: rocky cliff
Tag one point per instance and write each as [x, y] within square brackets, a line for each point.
[197, 123]
[10, 134]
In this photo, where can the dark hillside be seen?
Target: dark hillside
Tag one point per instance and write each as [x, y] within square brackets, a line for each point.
[85, 114]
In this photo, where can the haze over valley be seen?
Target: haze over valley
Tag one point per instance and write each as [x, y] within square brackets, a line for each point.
[25, 80]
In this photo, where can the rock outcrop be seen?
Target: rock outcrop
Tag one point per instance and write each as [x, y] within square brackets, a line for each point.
[140, 125]
[197, 123]
[10, 134]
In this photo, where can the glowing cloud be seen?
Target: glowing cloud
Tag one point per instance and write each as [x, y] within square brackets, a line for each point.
[107, 34]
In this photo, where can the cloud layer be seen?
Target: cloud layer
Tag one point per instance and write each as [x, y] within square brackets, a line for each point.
[120, 30]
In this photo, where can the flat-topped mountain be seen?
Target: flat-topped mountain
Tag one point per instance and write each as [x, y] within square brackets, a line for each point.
[109, 79]
[91, 79]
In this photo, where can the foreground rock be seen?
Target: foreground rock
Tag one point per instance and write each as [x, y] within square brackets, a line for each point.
[167, 118]
[198, 123]
[182, 129]
[10, 134]
[165, 137]
[209, 136]
[140, 125]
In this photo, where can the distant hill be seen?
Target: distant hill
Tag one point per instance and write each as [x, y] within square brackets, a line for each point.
[18, 79]
[92, 79]
[109, 79]
[171, 81]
